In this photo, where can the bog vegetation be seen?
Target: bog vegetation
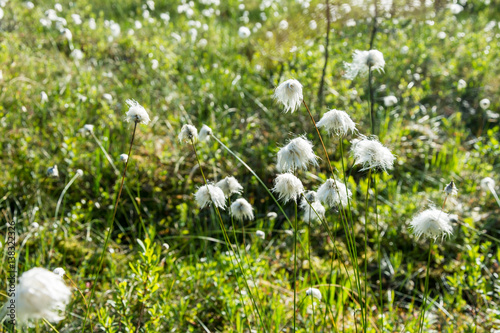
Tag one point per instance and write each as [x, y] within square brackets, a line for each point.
[250, 166]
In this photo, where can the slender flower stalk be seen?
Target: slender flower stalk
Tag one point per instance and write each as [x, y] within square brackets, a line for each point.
[136, 114]
[78, 173]
[488, 184]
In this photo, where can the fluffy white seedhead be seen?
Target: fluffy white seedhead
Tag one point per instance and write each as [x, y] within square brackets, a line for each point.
[244, 32]
[371, 154]
[229, 185]
[59, 271]
[297, 154]
[462, 84]
[484, 103]
[487, 184]
[208, 194]
[337, 122]
[334, 193]
[288, 187]
[260, 234]
[79, 172]
[205, 133]
[315, 212]
[123, 158]
[53, 171]
[450, 189]
[309, 196]
[289, 93]
[242, 210]
[390, 100]
[188, 133]
[272, 215]
[136, 113]
[431, 223]
[362, 61]
[41, 294]
[316, 293]
[87, 128]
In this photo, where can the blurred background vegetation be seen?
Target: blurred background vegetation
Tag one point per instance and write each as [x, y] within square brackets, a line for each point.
[186, 62]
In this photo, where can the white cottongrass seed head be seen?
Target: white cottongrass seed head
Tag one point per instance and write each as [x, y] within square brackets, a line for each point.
[205, 133]
[297, 154]
[371, 154]
[261, 234]
[41, 294]
[334, 193]
[87, 128]
[188, 134]
[123, 158]
[136, 113]
[229, 185]
[308, 197]
[288, 187]
[53, 171]
[208, 194]
[431, 223]
[484, 103]
[390, 100]
[59, 271]
[79, 172]
[487, 184]
[450, 189]
[289, 93]
[242, 210]
[337, 122]
[462, 84]
[362, 61]
[315, 212]
[316, 293]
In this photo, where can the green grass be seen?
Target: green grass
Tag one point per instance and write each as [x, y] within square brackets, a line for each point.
[437, 132]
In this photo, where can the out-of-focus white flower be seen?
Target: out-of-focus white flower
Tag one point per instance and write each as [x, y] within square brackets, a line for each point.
[79, 172]
[208, 194]
[188, 134]
[260, 234]
[461, 84]
[154, 64]
[487, 183]
[151, 4]
[272, 215]
[455, 8]
[87, 128]
[405, 49]
[297, 154]
[67, 34]
[229, 185]
[244, 32]
[313, 25]
[123, 157]
[289, 93]
[34, 226]
[484, 103]
[165, 17]
[136, 113]
[166, 246]
[314, 292]
[107, 97]
[242, 209]
[205, 133]
[334, 193]
[77, 54]
[44, 98]
[362, 62]
[432, 223]
[371, 154]
[41, 294]
[29, 5]
[77, 19]
[59, 271]
[58, 7]
[390, 100]
[451, 189]
[92, 23]
[337, 122]
[283, 25]
[53, 172]
[288, 187]
[202, 43]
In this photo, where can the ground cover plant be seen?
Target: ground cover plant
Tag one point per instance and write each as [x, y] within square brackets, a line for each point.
[250, 166]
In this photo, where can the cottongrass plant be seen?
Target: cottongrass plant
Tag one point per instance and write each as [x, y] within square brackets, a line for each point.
[337, 122]
[138, 115]
[364, 62]
[40, 294]
[210, 194]
[432, 224]
[488, 184]
[297, 154]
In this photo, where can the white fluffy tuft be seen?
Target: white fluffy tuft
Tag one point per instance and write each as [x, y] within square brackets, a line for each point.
[362, 61]
[288, 187]
[208, 194]
[431, 223]
[337, 122]
[371, 154]
[289, 93]
[297, 154]
[334, 193]
[241, 210]
[136, 113]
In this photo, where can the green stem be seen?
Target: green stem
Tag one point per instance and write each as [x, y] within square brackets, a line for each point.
[110, 227]
[422, 314]
[295, 270]
[366, 249]
[370, 89]
[310, 268]
[379, 259]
